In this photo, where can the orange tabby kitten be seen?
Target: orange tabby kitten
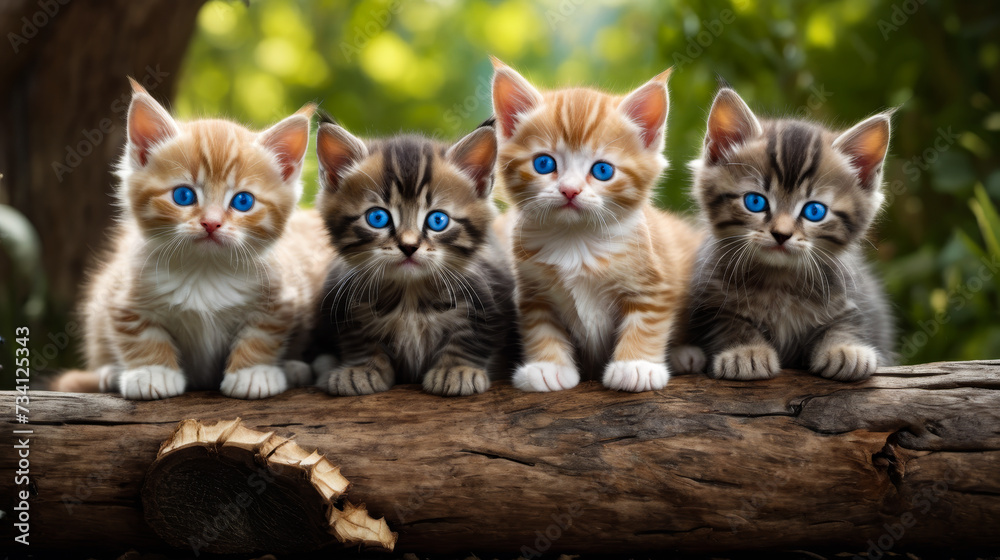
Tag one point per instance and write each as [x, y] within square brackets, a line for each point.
[602, 275]
[213, 274]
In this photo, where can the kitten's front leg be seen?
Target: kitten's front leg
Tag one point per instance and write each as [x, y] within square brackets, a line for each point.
[687, 359]
[461, 369]
[840, 355]
[251, 369]
[638, 363]
[150, 367]
[547, 349]
[745, 354]
[373, 376]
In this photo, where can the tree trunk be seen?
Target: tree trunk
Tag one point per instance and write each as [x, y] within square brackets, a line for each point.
[64, 100]
[909, 458]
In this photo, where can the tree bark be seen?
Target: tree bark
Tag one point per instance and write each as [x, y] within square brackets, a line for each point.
[908, 458]
[62, 124]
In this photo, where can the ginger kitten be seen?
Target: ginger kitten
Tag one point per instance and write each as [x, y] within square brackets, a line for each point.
[782, 281]
[422, 291]
[213, 274]
[602, 275]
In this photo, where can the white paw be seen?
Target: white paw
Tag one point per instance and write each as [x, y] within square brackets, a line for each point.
[845, 362]
[746, 363]
[545, 376]
[151, 382]
[456, 381]
[254, 382]
[687, 359]
[636, 376]
[298, 373]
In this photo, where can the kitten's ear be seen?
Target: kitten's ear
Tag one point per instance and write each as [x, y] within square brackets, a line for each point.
[337, 150]
[288, 140]
[513, 96]
[475, 155]
[730, 123]
[647, 107]
[866, 145]
[148, 124]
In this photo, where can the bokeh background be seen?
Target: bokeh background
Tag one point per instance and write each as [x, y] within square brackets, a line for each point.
[386, 66]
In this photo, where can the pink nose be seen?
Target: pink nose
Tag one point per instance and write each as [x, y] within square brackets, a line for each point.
[569, 192]
[211, 226]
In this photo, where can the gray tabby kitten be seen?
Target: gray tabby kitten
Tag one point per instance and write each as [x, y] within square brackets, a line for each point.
[781, 281]
[423, 291]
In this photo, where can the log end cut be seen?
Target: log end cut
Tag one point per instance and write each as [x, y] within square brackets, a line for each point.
[229, 489]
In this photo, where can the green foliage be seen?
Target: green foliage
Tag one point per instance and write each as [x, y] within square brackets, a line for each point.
[381, 66]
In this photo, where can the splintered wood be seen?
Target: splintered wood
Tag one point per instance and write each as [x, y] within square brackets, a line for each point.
[226, 488]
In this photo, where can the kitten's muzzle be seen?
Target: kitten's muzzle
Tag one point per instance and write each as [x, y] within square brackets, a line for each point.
[408, 250]
[569, 192]
[210, 226]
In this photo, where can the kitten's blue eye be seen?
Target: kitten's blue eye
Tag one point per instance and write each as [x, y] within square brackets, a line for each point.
[814, 211]
[184, 196]
[437, 220]
[602, 171]
[378, 218]
[242, 201]
[545, 164]
[755, 202]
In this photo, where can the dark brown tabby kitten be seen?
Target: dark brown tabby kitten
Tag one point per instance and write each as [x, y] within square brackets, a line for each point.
[781, 281]
[422, 291]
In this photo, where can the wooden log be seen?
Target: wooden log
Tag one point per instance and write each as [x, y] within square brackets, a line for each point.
[261, 491]
[908, 458]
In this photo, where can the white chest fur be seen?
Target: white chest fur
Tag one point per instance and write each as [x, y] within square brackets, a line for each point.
[585, 287]
[205, 288]
[203, 305]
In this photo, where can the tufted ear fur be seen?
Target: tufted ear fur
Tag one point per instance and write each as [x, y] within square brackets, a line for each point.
[476, 155]
[866, 144]
[730, 123]
[148, 124]
[647, 107]
[337, 150]
[513, 96]
[288, 140]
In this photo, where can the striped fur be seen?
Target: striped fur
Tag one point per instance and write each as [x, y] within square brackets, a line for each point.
[602, 276]
[174, 306]
[441, 316]
[762, 302]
